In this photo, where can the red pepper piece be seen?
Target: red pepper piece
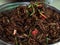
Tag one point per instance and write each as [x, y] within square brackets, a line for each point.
[35, 32]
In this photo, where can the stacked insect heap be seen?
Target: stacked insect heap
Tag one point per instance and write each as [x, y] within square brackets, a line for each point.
[33, 24]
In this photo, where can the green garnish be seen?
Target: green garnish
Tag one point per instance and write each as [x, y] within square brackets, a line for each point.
[33, 10]
[16, 42]
[47, 39]
[27, 11]
[30, 33]
[30, 6]
[37, 3]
